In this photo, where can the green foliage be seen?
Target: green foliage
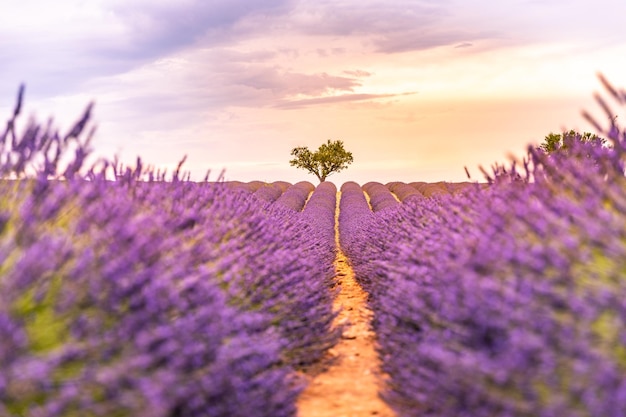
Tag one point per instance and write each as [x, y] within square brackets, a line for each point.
[330, 157]
[554, 142]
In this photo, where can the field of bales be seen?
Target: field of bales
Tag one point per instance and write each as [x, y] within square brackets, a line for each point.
[129, 292]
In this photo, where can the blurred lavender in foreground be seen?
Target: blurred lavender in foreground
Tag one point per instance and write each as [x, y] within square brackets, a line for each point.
[146, 297]
[509, 300]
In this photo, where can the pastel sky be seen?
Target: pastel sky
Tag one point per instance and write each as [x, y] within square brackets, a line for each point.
[416, 89]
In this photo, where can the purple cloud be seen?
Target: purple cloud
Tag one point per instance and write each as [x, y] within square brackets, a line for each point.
[129, 35]
[294, 104]
[160, 28]
[417, 40]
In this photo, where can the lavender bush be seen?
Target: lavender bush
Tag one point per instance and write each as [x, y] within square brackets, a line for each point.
[296, 195]
[404, 191]
[431, 189]
[128, 292]
[269, 192]
[509, 300]
[355, 237]
[319, 213]
[141, 296]
[380, 197]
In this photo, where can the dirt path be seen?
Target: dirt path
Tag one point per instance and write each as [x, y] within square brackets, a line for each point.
[346, 383]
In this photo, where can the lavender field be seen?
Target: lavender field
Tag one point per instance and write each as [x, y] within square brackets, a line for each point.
[130, 292]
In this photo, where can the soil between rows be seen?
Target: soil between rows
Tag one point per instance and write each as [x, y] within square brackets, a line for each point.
[347, 381]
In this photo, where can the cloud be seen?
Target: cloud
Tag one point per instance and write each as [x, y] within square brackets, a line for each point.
[237, 52]
[285, 83]
[358, 73]
[72, 42]
[388, 27]
[220, 84]
[343, 98]
[417, 40]
[83, 41]
[157, 28]
[343, 18]
[214, 80]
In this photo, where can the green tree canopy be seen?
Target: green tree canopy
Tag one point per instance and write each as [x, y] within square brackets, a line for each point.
[562, 141]
[330, 157]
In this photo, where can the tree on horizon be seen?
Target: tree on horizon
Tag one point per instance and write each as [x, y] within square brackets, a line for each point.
[330, 157]
[559, 142]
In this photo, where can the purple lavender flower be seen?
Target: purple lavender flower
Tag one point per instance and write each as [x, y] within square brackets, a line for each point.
[269, 192]
[505, 300]
[404, 191]
[295, 196]
[380, 197]
[153, 298]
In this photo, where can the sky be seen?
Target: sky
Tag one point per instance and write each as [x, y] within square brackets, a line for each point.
[417, 90]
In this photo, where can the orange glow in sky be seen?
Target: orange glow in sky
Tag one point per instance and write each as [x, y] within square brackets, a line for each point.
[417, 90]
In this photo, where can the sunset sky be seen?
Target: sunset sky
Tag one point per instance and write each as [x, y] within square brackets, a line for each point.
[417, 90]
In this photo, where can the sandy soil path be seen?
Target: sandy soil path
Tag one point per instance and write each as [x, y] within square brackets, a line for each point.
[346, 383]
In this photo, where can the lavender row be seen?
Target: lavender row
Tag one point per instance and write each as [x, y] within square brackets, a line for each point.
[514, 303]
[296, 195]
[105, 311]
[380, 197]
[404, 191]
[319, 214]
[433, 189]
[323, 200]
[149, 298]
[504, 301]
[354, 215]
[280, 192]
[269, 192]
